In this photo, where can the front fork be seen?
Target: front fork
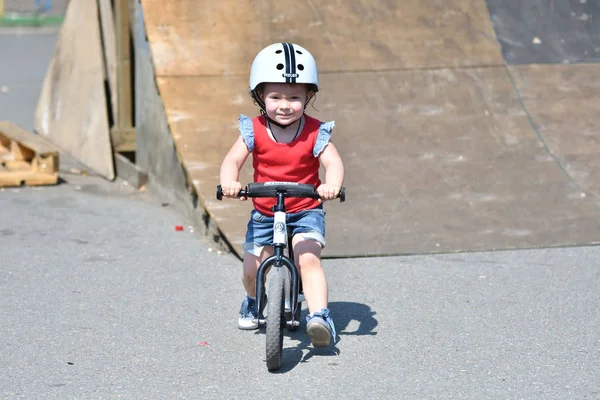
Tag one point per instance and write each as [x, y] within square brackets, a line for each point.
[277, 260]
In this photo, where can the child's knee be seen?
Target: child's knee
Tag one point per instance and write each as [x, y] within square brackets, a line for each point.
[308, 254]
[309, 260]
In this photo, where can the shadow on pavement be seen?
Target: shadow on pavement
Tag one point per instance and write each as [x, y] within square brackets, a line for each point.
[344, 313]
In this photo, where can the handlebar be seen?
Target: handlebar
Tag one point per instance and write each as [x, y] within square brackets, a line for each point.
[289, 189]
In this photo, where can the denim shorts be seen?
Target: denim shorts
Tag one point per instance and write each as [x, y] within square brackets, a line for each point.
[309, 223]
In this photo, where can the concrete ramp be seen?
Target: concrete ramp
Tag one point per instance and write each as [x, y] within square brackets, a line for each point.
[446, 148]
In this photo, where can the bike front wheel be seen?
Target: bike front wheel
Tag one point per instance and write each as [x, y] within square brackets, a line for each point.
[275, 320]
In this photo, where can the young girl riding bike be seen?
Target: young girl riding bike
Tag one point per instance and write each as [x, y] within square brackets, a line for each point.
[287, 146]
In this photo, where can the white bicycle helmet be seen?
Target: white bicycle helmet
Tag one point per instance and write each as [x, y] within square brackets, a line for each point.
[284, 63]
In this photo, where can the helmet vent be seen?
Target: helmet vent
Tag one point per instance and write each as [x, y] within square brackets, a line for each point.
[301, 67]
[280, 66]
[298, 51]
[278, 51]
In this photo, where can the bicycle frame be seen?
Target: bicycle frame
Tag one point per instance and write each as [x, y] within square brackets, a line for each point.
[281, 291]
[281, 241]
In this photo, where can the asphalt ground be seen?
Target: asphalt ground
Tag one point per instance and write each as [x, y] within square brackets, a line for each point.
[101, 298]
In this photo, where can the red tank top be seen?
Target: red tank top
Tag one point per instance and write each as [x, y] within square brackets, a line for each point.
[285, 162]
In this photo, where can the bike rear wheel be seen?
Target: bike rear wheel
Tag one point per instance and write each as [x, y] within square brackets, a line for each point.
[275, 320]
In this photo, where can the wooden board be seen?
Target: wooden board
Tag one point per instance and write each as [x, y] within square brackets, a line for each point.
[202, 37]
[71, 110]
[107, 30]
[116, 41]
[25, 158]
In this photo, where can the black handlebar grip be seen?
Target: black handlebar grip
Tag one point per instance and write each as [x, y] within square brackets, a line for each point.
[219, 192]
[342, 195]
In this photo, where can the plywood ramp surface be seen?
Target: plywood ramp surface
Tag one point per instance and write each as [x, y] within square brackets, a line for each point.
[445, 161]
[440, 151]
[200, 37]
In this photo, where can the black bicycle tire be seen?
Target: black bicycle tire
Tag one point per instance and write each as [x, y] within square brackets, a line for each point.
[275, 321]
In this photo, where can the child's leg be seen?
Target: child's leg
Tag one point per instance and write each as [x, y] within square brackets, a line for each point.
[308, 240]
[248, 311]
[307, 255]
[250, 268]
[319, 326]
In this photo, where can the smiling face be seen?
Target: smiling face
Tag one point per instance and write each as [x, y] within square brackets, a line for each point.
[284, 102]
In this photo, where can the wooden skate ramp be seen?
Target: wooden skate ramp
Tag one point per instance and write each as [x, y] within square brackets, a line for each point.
[441, 151]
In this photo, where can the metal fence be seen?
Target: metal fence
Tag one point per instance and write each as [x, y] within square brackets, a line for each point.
[31, 8]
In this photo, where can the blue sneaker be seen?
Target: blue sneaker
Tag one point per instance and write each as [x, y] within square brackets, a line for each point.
[320, 328]
[248, 314]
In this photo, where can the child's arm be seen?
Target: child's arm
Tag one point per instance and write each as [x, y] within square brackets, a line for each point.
[231, 166]
[334, 173]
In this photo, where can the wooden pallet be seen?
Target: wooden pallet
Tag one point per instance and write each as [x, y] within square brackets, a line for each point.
[25, 158]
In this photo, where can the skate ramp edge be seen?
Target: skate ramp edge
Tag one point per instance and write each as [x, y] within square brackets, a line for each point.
[156, 152]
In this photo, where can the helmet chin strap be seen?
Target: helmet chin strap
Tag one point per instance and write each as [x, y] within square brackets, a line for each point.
[272, 121]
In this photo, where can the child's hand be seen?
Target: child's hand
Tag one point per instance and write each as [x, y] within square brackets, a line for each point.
[231, 189]
[328, 192]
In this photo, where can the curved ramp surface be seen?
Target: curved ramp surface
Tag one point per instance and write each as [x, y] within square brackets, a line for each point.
[446, 148]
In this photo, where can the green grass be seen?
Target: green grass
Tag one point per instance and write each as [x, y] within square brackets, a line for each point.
[34, 19]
